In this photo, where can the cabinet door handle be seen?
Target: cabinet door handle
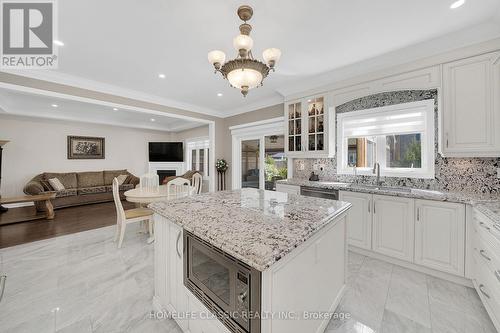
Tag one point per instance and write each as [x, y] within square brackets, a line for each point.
[482, 224]
[177, 244]
[418, 214]
[481, 287]
[369, 204]
[447, 142]
[3, 279]
[374, 207]
[497, 274]
[483, 254]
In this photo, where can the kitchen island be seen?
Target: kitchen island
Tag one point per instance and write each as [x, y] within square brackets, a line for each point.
[262, 261]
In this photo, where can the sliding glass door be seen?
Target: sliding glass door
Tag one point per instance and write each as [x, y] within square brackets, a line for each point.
[262, 161]
[250, 163]
[275, 161]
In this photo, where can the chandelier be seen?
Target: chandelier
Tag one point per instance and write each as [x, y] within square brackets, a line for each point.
[244, 72]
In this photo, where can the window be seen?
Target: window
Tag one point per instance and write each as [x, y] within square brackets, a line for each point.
[198, 155]
[399, 137]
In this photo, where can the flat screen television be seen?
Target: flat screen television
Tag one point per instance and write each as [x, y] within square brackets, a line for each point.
[166, 152]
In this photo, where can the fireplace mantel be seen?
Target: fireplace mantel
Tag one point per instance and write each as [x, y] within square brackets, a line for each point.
[178, 167]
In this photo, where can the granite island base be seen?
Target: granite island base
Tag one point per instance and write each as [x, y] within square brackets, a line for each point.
[278, 260]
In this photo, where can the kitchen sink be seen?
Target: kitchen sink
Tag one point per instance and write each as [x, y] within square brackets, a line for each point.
[396, 189]
[382, 188]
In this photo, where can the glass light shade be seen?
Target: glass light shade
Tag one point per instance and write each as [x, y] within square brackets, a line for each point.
[271, 54]
[246, 77]
[216, 56]
[243, 42]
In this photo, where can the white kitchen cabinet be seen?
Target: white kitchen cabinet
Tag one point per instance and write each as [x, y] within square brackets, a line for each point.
[393, 226]
[471, 107]
[359, 219]
[285, 188]
[178, 292]
[310, 128]
[440, 236]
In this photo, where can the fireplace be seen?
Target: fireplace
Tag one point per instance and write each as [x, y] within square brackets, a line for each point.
[166, 169]
[162, 174]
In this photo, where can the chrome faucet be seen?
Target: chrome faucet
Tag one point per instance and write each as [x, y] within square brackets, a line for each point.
[376, 170]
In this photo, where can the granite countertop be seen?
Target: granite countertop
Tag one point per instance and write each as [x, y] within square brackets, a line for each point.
[255, 226]
[458, 197]
[491, 210]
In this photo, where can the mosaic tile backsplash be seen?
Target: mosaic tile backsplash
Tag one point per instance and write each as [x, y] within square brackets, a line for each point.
[471, 175]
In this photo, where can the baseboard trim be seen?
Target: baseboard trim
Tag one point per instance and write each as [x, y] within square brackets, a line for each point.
[442, 275]
[18, 205]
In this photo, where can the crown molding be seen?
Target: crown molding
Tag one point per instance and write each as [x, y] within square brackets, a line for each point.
[34, 114]
[480, 38]
[104, 103]
[78, 82]
[279, 99]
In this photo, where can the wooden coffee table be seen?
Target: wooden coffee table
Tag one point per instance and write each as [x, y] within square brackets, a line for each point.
[47, 197]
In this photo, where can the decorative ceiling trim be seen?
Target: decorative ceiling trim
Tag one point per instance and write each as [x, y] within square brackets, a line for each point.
[78, 82]
[36, 115]
[99, 102]
[268, 102]
[462, 43]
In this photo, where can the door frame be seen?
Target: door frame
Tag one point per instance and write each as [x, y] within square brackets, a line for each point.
[254, 131]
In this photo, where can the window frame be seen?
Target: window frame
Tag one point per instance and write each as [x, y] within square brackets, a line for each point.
[427, 142]
[196, 145]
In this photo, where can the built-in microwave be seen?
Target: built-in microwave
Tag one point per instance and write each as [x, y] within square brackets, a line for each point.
[229, 288]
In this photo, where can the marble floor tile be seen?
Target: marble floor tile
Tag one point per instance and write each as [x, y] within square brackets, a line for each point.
[414, 302]
[394, 323]
[445, 292]
[408, 296]
[82, 283]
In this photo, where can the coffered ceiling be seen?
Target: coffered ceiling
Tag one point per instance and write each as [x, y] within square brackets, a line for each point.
[121, 46]
[26, 104]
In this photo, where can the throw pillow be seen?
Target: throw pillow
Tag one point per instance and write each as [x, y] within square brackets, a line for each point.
[121, 179]
[56, 184]
[46, 185]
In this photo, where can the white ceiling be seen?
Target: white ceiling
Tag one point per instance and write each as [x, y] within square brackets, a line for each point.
[122, 45]
[19, 103]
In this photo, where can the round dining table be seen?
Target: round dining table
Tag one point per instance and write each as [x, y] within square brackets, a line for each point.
[139, 196]
[144, 198]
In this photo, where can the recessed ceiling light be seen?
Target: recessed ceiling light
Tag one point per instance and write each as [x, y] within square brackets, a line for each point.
[456, 4]
[58, 42]
[115, 109]
[161, 76]
[55, 105]
[153, 119]
[219, 94]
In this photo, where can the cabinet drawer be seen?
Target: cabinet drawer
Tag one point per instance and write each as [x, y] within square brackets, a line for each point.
[290, 189]
[488, 287]
[487, 253]
[488, 230]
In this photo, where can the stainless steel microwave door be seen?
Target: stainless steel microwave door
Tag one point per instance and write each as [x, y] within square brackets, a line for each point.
[212, 274]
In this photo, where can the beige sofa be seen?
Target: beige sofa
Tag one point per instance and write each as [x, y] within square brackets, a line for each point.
[80, 188]
[188, 175]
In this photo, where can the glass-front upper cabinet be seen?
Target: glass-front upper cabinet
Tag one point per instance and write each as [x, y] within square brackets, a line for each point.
[295, 127]
[316, 121]
[310, 125]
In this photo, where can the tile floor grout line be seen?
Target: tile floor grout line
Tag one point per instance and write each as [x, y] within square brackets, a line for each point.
[429, 301]
[387, 296]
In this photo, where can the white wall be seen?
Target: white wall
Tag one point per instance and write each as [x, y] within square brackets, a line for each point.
[39, 145]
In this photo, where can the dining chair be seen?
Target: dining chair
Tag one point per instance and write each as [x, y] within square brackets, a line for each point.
[178, 188]
[197, 183]
[124, 217]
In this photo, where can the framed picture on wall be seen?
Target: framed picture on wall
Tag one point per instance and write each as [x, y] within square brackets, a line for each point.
[85, 148]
